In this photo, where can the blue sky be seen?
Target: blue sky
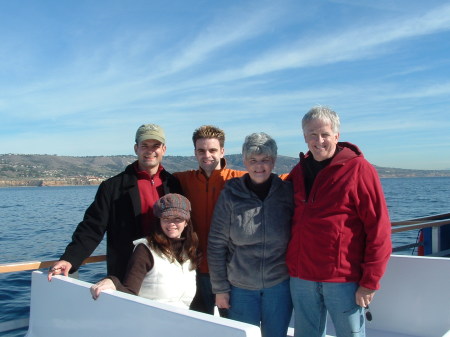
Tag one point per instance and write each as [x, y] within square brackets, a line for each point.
[79, 77]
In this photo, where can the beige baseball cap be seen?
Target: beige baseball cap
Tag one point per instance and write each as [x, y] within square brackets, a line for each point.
[150, 131]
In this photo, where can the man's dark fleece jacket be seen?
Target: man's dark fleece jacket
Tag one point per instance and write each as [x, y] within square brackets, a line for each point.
[116, 210]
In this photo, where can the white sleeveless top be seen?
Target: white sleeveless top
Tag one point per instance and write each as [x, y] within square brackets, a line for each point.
[168, 282]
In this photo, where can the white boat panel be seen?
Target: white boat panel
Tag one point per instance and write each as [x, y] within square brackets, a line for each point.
[414, 298]
[64, 307]
[414, 301]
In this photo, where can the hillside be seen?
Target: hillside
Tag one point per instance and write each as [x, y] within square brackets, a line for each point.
[51, 170]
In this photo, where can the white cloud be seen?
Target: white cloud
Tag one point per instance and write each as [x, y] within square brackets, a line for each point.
[348, 45]
[230, 29]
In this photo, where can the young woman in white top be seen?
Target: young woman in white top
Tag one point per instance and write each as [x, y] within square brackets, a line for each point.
[162, 267]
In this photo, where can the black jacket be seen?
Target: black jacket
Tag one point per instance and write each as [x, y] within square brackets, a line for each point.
[116, 210]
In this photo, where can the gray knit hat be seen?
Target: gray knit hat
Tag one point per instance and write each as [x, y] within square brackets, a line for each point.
[172, 205]
[150, 131]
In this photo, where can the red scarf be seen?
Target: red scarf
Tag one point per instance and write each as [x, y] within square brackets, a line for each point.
[150, 190]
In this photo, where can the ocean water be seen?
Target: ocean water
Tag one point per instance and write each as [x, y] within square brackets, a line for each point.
[36, 224]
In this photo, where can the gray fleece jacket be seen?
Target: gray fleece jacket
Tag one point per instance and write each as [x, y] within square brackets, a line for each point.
[248, 237]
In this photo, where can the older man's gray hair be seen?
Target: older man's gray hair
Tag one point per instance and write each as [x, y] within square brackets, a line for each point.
[323, 114]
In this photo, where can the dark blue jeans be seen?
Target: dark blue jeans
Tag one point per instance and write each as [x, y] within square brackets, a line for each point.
[269, 308]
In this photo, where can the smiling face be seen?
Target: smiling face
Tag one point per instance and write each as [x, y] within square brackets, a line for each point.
[259, 167]
[172, 227]
[150, 153]
[321, 139]
[208, 153]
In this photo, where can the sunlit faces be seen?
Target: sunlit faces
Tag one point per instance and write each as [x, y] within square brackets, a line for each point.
[150, 153]
[259, 167]
[321, 139]
[208, 153]
[173, 227]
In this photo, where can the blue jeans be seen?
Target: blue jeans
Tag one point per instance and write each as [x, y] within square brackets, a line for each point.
[270, 308]
[311, 302]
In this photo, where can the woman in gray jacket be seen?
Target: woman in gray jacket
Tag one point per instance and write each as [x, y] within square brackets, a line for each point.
[247, 242]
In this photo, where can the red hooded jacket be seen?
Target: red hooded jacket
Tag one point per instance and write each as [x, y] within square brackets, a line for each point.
[342, 233]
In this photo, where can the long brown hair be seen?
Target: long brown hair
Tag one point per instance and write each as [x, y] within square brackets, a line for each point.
[179, 249]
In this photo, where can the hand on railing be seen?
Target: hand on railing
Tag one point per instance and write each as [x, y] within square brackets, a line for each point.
[100, 286]
[60, 267]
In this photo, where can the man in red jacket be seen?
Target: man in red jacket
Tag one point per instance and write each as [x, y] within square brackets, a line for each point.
[202, 187]
[340, 243]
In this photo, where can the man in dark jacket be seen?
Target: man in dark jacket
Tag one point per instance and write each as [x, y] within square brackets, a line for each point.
[122, 207]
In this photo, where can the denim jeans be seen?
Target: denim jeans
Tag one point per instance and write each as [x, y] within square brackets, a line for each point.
[311, 302]
[269, 308]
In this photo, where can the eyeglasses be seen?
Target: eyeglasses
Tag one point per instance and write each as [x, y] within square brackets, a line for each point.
[172, 220]
[368, 314]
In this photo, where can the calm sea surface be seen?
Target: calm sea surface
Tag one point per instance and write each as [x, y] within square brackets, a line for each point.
[36, 224]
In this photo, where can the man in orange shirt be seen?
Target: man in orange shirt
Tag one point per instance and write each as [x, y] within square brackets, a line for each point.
[202, 187]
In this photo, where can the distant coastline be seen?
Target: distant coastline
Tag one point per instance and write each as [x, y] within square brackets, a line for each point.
[95, 181]
[31, 170]
[69, 181]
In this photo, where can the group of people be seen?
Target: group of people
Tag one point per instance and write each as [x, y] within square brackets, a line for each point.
[256, 245]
